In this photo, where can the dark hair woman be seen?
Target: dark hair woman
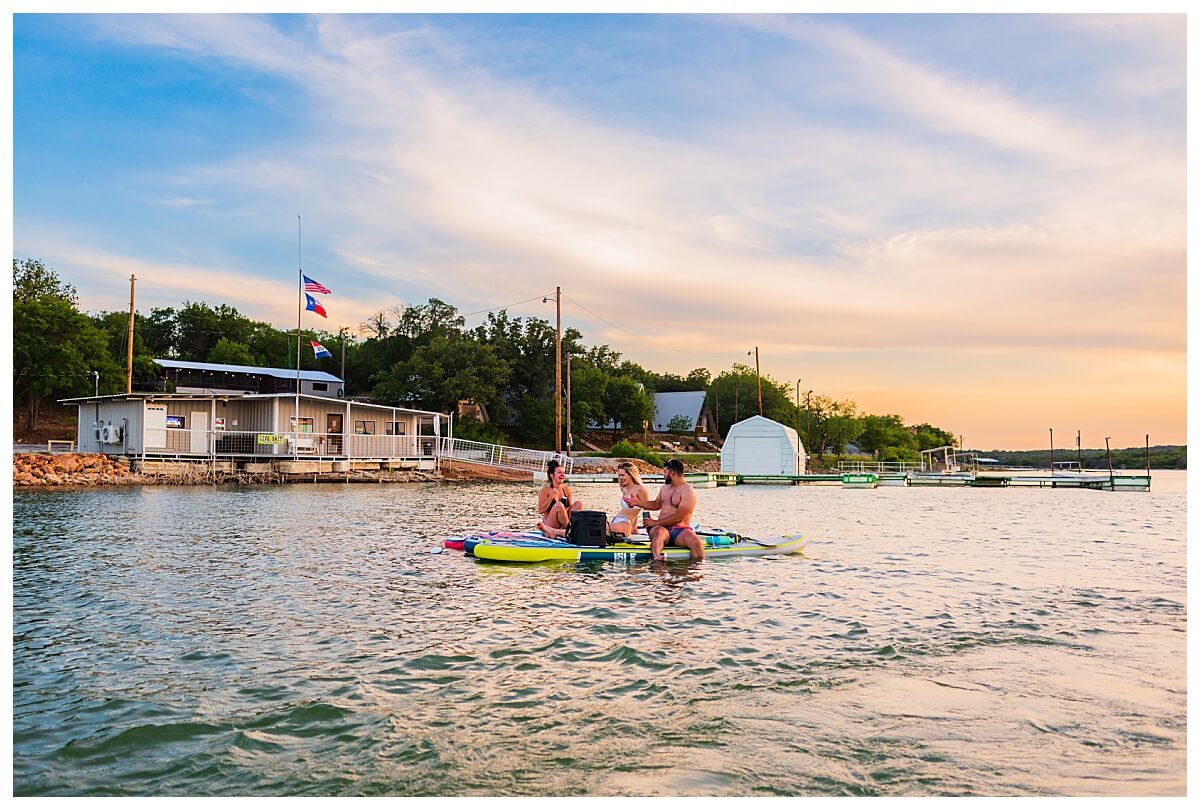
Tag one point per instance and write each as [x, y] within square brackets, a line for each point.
[556, 502]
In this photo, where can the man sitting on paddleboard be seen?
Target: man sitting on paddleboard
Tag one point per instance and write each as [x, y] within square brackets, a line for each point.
[676, 502]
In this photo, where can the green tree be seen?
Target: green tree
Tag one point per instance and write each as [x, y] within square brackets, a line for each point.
[449, 368]
[879, 432]
[680, 423]
[893, 454]
[929, 437]
[471, 429]
[841, 428]
[157, 331]
[230, 353]
[734, 396]
[115, 326]
[628, 449]
[627, 403]
[55, 350]
[588, 386]
[828, 424]
[198, 328]
[421, 323]
[33, 281]
[527, 397]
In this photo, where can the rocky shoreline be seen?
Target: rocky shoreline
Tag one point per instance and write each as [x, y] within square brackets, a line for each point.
[97, 469]
[47, 470]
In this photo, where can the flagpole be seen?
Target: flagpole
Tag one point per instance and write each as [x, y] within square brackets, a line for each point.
[299, 311]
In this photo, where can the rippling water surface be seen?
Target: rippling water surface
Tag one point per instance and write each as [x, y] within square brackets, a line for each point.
[304, 640]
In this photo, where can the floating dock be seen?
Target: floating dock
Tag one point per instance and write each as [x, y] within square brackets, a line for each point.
[699, 480]
[871, 480]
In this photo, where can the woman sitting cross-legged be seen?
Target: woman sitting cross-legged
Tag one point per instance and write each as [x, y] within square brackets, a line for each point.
[555, 502]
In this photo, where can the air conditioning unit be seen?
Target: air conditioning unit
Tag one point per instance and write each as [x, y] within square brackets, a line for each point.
[110, 434]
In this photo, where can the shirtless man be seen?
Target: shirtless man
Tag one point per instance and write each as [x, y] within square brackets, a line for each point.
[676, 502]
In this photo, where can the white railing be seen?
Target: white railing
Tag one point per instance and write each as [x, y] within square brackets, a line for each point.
[184, 443]
[880, 466]
[211, 444]
[498, 455]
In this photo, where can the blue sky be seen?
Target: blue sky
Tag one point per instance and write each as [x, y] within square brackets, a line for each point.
[976, 221]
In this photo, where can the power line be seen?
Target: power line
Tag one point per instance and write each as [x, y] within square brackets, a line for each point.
[639, 337]
[495, 309]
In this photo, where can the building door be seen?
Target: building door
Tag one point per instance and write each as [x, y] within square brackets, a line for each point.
[156, 426]
[758, 456]
[199, 432]
[333, 427]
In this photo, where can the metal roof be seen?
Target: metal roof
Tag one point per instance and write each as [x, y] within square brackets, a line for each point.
[231, 397]
[751, 422]
[280, 373]
[677, 403]
[667, 406]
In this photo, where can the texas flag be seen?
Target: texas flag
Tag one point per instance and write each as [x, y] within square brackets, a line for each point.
[313, 306]
[319, 350]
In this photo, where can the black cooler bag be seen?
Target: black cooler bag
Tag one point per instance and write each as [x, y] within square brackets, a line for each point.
[587, 528]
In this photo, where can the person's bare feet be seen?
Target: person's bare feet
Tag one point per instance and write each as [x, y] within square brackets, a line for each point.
[554, 534]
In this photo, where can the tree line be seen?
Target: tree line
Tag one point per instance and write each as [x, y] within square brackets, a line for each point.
[425, 356]
[1161, 457]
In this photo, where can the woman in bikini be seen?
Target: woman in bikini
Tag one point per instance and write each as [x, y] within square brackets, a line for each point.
[624, 522]
[555, 502]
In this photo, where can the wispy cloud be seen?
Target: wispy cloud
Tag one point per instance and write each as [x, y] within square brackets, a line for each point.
[953, 212]
[181, 202]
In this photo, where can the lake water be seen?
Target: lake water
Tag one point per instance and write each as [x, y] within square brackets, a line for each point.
[303, 640]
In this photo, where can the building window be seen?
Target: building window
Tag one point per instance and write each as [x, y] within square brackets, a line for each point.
[306, 424]
[396, 428]
[320, 386]
[425, 428]
[364, 427]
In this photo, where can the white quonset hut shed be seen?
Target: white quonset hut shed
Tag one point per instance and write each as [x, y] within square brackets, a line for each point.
[761, 446]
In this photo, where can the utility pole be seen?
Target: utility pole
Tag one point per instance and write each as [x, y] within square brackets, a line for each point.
[758, 378]
[717, 395]
[342, 335]
[129, 351]
[807, 413]
[1052, 450]
[1079, 450]
[798, 381]
[1110, 469]
[570, 439]
[558, 371]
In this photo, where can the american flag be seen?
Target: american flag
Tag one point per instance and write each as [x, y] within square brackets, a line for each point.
[315, 286]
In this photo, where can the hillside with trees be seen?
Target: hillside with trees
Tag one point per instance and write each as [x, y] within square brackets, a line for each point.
[425, 356]
[1161, 457]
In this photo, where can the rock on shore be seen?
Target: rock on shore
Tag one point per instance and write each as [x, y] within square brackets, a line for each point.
[70, 469]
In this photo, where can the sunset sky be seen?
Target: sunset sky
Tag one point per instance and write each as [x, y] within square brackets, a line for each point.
[973, 221]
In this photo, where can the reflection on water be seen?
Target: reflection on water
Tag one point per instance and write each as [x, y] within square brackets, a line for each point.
[303, 640]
